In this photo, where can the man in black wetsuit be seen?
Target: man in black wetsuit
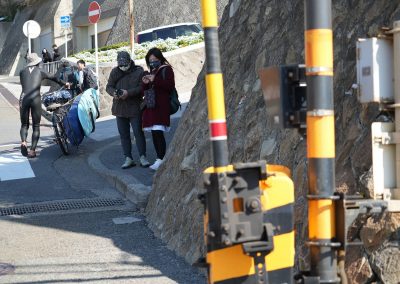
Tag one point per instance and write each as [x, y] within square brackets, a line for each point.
[30, 102]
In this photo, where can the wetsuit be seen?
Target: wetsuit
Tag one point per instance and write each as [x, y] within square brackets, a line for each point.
[30, 101]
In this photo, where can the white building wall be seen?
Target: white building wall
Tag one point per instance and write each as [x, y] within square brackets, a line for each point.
[102, 26]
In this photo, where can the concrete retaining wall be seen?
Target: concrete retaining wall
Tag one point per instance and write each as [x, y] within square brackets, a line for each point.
[4, 28]
[187, 63]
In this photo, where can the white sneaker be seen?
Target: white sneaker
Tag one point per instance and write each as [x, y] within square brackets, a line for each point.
[156, 164]
[143, 162]
[128, 163]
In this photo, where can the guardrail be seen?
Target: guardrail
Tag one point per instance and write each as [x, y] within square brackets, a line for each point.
[52, 67]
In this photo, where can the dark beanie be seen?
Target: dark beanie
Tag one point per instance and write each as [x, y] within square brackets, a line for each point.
[123, 58]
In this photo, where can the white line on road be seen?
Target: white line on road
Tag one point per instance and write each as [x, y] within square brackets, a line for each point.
[8, 145]
[14, 166]
[125, 220]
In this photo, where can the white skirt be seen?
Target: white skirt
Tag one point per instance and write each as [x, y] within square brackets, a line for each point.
[157, 127]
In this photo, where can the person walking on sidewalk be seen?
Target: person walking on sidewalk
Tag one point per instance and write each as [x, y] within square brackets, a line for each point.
[156, 119]
[125, 85]
[31, 78]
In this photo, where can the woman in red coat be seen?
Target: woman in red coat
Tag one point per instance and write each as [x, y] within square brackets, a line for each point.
[156, 119]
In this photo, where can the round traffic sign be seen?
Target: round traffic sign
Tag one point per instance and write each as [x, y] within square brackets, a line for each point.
[94, 12]
[31, 29]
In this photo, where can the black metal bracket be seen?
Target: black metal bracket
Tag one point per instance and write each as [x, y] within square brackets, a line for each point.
[285, 95]
[348, 208]
[258, 250]
[233, 201]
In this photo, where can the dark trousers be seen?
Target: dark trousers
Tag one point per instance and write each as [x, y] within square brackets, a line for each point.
[159, 143]
[124, 125]
[30, 104]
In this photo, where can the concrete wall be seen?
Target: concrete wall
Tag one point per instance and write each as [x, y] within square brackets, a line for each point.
[81, 38]
[186, 62]
[4, 28]
[47, 13]
[13, 43]
[102, 26]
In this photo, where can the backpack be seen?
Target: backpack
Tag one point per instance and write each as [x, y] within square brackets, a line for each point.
[90, 79]
[174, 103]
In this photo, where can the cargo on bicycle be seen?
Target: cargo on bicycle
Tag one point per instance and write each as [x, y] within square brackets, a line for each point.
[73, 118]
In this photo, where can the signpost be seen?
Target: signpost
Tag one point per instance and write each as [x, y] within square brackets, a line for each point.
[66, 24]
[132, 32]
[31, 29]
[94, 13]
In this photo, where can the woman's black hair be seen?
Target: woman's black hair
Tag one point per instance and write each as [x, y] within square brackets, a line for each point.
[157, 53]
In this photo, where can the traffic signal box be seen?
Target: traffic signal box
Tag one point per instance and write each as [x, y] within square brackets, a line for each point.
[250, 236]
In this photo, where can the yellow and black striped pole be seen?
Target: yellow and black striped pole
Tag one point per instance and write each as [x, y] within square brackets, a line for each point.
[320, 139]
[215, 87]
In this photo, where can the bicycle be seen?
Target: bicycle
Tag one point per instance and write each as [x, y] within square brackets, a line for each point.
[59, 103]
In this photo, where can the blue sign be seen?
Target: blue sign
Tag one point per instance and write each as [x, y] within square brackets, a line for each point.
[65, 21]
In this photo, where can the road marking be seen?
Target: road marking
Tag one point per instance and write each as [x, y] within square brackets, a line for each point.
[9, 98]
[125, 220]
[8, 145]
[14, 166]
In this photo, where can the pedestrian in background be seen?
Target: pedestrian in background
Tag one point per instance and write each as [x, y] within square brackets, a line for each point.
[30, 102]
[46, 56]
[156, 119]
[56, 53]
[125, 86]
[87, 78]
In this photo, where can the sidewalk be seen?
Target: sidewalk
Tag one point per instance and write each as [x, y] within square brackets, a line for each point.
[106, 156]
[134, 183]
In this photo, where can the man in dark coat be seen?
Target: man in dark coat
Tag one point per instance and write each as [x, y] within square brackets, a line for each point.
[46, 56]
[56, 53]
[87, 78]
[125, 85]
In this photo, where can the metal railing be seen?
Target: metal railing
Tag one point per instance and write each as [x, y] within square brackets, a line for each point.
[52, 67]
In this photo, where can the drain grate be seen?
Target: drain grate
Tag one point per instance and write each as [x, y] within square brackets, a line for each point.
[6, 268]
[61, 206]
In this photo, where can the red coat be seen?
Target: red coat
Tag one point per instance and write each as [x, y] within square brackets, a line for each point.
[162, 87]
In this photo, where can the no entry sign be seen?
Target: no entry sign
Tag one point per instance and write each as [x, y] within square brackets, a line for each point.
[94, 12]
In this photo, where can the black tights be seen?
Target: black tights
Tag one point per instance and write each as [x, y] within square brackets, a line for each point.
[159, 143]
[30, 104]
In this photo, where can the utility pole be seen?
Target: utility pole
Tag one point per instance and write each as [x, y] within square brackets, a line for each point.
[320, 139]
[132, 31]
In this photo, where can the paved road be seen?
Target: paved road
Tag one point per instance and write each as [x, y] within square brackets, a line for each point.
[84, 230]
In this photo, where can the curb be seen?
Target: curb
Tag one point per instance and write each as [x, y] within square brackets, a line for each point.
[130, 187]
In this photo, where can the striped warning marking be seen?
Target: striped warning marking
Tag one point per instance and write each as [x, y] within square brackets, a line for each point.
[14, 166]
[94, 13]
[218, 129]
